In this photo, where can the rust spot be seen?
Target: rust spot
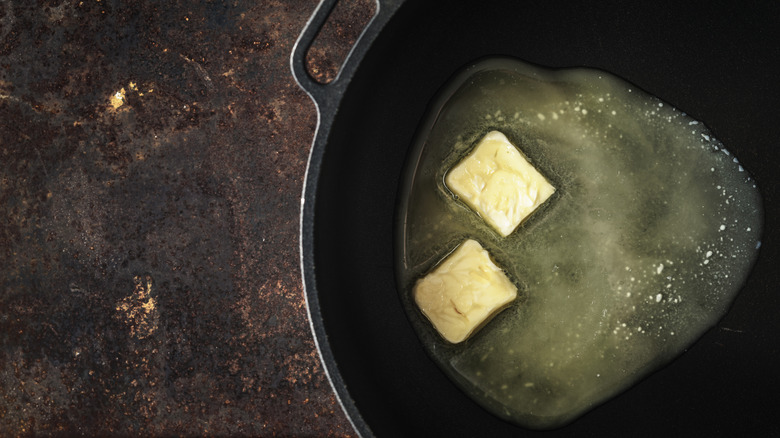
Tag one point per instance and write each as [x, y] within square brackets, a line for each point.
[336, 38]
[139, 310]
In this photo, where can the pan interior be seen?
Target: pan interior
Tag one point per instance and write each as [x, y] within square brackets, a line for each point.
[396, 387]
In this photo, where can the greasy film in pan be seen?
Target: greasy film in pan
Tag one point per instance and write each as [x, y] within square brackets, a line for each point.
[651, 230]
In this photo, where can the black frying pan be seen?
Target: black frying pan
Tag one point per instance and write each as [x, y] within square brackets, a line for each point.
[715, 61]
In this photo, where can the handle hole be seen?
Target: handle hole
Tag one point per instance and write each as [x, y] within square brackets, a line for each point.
[336, 37]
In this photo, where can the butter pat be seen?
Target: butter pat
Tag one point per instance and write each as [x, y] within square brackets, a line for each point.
[498, 182]
[463, 292]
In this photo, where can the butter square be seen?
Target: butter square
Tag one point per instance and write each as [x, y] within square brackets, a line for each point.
[497, 182]
[463, 292]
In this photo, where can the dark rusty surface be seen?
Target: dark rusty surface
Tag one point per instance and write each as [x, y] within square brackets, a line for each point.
[330, 48]
[152, 155]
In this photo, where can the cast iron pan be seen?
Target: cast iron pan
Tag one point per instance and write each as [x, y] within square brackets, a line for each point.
[715, 61]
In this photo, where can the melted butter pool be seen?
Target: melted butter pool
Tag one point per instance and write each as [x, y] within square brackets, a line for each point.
[648, 238]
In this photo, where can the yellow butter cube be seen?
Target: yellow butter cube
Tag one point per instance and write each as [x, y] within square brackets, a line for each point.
[463, 292]
[498, 182]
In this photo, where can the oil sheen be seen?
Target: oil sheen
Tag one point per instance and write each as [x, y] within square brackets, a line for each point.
[652, 230]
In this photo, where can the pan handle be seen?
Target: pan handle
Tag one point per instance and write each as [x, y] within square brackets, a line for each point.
[328, 96]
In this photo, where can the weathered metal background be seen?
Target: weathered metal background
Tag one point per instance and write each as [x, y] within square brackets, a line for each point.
[152, 155]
